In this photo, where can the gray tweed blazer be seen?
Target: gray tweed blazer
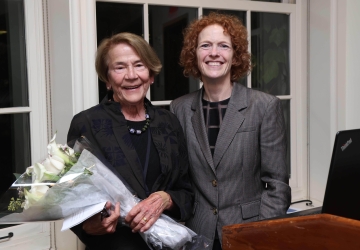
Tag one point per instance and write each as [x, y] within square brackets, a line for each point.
[246, 179]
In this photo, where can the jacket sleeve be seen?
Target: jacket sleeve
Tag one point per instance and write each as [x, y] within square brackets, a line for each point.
[74, 131]
[276, 197]
[80, 126]
[181, 192]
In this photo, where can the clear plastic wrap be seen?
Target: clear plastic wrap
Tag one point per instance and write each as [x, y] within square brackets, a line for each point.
[89, 182]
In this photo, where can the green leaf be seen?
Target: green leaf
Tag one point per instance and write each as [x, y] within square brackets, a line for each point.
[274, 55]
[50, 177]
[87, 172]
[267, 27]
[270, 56]
[270, 72]
[17, 176]
[277, 36]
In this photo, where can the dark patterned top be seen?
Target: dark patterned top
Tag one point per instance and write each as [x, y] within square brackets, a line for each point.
[105, 127]
[214, 113]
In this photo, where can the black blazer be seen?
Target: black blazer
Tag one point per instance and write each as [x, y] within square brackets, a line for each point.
[105, 127]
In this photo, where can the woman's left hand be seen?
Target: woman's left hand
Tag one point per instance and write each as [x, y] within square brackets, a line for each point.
[142, 216]
[96, 225]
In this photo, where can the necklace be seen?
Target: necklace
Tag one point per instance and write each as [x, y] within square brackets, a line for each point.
[140, 131]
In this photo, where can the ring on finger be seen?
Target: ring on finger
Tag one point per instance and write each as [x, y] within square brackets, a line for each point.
[145, 219]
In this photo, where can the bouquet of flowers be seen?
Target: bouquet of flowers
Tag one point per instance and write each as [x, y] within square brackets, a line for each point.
[35, 195]
[70, 180]
[35, 182]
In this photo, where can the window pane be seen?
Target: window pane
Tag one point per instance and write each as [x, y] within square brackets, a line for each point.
[286, 110]
[240, 14]
[270, 49]
[13, 75]
[113, 18]
[166, 37]
[15, 155]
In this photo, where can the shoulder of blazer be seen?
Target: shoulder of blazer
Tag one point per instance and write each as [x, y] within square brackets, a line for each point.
[185, 101]
[91, 110]
[85, 114]
[256, 96]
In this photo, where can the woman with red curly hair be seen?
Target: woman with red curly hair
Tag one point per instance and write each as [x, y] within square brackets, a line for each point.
[235, 135]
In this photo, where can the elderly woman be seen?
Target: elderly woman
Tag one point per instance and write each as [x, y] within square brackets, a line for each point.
[236, 134]
[143, 143]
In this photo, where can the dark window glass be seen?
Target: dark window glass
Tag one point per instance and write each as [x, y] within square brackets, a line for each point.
[166, 25]
[286, 110]
[15, 154]
[113, 18]
[240, 14]
[167, 107]
[270, 46]
[13, 75]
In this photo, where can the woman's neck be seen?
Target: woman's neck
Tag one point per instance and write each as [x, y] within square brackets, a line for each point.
[133, 112]
[216, 92]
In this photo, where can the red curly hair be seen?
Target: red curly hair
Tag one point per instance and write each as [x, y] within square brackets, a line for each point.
[232, 26]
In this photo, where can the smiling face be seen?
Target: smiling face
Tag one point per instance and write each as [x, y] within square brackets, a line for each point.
[129, 77]
[214, 54]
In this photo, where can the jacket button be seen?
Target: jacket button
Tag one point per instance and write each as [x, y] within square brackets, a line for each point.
[214, 183]
[215, 211]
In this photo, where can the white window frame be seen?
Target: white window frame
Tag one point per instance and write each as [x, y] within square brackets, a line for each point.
[81, 43]
[298, 69]
[84, 89]
[33, 235]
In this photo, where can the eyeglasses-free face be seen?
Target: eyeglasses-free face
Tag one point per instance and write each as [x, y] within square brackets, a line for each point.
[129, 77]
[214, 54]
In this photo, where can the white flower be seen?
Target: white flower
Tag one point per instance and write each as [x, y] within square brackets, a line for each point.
[54, 150]
[35, 194]
[69, 151]
[42, 174]
[54, 164]
[29, 170]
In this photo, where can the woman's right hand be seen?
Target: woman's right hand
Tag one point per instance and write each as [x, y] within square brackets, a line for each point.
[96, 225]
[144, 214]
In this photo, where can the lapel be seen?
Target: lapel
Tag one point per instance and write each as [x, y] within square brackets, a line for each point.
[123, 139]
[232, 121]
[199, 128]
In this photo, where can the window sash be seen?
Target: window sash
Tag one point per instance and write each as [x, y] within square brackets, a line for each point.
[37, 109]
[83, 19]
[298, 120]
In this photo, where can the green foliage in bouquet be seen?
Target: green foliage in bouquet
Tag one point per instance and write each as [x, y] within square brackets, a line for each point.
[15, 204]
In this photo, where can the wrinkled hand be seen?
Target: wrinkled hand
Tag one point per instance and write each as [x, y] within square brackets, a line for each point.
[95, 226]
[142, 216]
